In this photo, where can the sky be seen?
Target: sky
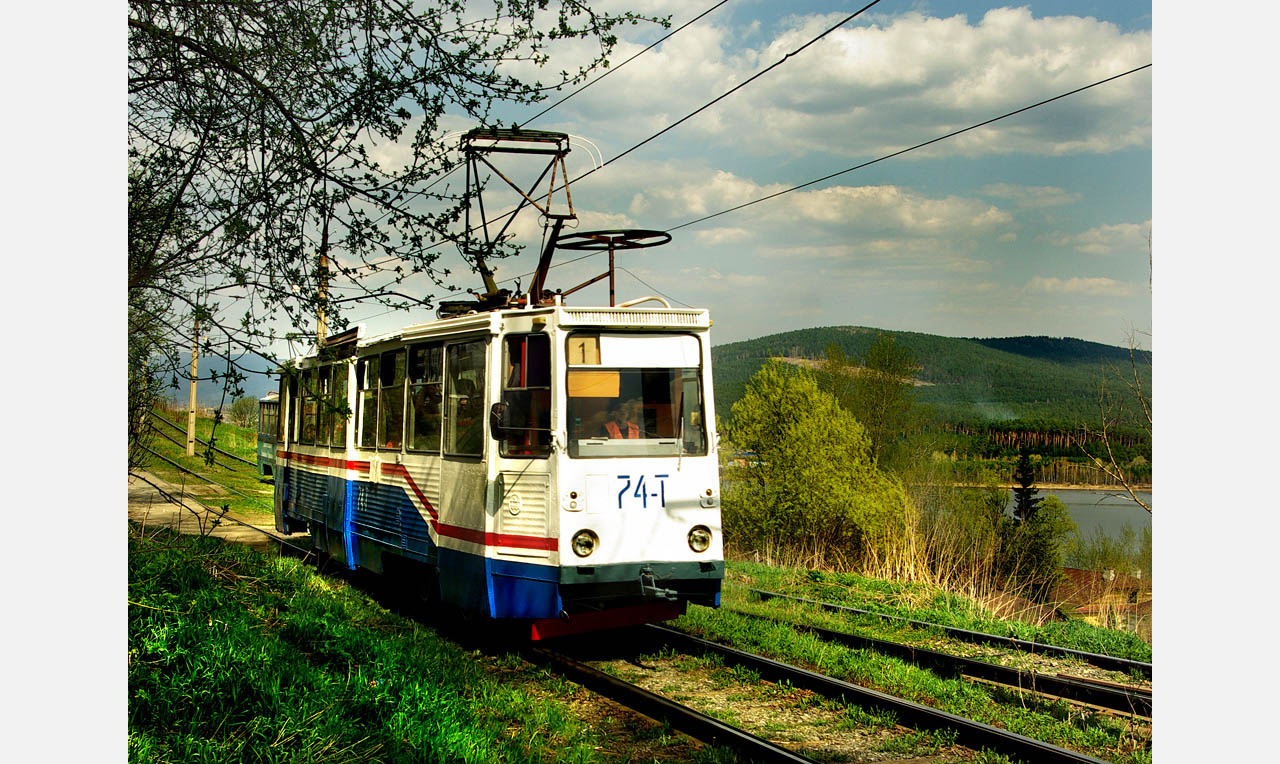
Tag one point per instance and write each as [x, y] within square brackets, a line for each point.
[1036, 225]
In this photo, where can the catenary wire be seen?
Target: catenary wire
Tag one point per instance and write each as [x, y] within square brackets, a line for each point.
[624, 63]
[730, 91]
[912, 148]
[552, 106]
[654, 288]
[700, 109]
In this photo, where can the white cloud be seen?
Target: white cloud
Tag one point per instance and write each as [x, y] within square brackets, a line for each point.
[1124, 238]
[1109, 239]
[1094, 287]
[1027, 197]
[715, 236]
[867, 90]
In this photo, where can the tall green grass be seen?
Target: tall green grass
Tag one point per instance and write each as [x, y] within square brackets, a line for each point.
[238, 656]
[926, 603]
[1097, 734]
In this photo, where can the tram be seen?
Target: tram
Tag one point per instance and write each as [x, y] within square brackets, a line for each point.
[518, 458]
[268, 430]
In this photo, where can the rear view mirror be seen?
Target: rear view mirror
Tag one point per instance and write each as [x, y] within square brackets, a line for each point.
[497, 421]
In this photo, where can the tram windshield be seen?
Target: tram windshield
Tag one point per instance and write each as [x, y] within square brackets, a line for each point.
[642, 410]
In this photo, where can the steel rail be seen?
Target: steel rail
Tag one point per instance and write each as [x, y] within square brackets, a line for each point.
[965, 635]
[203, 442]
[693, 723]
[204, 477]
[969, 733]
[1109, 695]
[223, 516]
[180, 444]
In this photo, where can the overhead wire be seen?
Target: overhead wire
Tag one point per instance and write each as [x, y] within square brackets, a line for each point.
[730, 91]
[557, 103]
[624, 63]
[912, 148]
[702, 108]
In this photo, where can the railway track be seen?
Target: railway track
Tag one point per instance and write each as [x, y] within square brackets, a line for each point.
[693, 723]
[968, 733]
[1099, 660]
[1108, 695]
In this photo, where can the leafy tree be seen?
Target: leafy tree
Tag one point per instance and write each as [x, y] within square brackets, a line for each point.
[1129, 553]
[244, 412]
[283, 157]
[809, 482]
[1032, 549]
[1025, 502]
[879, 393]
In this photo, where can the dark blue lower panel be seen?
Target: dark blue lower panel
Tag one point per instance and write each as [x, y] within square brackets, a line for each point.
[364, 521]
[521, 590]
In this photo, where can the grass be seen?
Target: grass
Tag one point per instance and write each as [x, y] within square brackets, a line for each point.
[922, 603]
[255, 506]
[240, 656]
[1100, 735]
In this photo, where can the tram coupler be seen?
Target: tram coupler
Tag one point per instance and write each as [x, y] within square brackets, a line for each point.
[651, 591]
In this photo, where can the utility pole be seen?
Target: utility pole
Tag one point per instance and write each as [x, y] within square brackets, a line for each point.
[323, 294]
[322, 290]
[191, 409]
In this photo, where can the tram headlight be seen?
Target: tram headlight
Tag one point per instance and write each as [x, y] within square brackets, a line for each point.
[585, 542]
[700, 538]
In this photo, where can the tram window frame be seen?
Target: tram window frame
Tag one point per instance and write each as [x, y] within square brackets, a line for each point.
[474, 394]
[307, 424]
[290, 420]
[324, 375]
[606, 382]
[339, 411]
[367, 393]
[526, 394]
[392, 370]
[425, 371]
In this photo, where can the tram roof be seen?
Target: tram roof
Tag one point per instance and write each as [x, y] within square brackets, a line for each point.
[603, 317]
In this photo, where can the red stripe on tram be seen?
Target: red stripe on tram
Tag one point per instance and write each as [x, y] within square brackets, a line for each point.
[451, 531]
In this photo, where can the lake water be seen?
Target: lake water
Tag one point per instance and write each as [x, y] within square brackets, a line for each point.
[1110, 511]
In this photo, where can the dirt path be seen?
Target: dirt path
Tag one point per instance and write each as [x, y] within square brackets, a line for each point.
[155, 503]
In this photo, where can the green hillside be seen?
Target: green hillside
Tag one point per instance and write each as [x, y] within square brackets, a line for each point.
[1047, 380]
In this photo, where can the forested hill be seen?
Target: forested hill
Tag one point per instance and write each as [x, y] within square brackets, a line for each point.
[1046, 379]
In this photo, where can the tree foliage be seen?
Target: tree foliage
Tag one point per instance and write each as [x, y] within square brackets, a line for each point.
[278, 148]
[1025, 501]
[878, 392]
[806, 479]
[1032, 549]
[244, 412]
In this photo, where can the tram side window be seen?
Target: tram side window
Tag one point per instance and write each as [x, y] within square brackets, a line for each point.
[291, 422]
[268, 413]
[426, 377]
[391, 400]
[367, 378]
[308, 385]
[323, 409]
[338, 407]
[464, 399]
[527, 395]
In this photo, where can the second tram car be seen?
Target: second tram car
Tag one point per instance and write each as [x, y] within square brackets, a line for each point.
[548, 464]
[268, 432]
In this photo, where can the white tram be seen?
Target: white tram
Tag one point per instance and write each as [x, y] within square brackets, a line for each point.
[544, 463]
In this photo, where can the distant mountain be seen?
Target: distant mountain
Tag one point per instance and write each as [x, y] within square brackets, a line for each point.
[1050, 379]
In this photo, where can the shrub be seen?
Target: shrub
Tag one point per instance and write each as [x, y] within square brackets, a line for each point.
[803, 481]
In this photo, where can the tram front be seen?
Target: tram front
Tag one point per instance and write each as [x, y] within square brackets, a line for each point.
[638, 478]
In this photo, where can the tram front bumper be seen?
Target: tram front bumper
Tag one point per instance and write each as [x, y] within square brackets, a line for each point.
[584, 588]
